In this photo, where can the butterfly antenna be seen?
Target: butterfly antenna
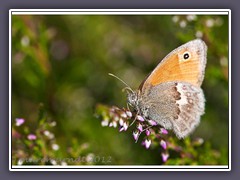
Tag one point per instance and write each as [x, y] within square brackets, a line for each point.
[126, 88]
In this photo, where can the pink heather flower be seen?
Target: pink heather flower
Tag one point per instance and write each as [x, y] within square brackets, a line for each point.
[110, 124]
[121, 122]
[32, 137]
[125, 126]
[140, 118]
[129, 114]
[135, 135]
[148, 132]
[163, 144]
[124, 115]
[122, 128]
[165, 157]
[113, 124]
[147, 143]
[163, 131]
[140, 127]
[19, 121]
[152, 122]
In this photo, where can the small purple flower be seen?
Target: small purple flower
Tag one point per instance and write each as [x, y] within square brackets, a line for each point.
[140, 118]
[32, 137]
[113, 124]
[140, 127]
[125, 126]
[135, 135]
[110, 124]
[121, 129]
[165, 157]
[129, 114]
[148, 132]
[19, 121]
[152, 122]
[124, 115]
[163, 131]
[163, 144]
[147, 143]
[121, 122]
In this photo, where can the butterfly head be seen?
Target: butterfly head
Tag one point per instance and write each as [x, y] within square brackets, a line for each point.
[132, 98]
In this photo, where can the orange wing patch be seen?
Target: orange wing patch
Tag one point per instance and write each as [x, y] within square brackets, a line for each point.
[174, 69]
[186, 63]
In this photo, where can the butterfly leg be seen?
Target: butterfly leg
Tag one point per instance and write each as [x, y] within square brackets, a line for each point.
[135, 118]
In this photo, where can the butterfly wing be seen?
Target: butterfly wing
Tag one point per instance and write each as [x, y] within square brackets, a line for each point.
[174, 105]
[186, 63]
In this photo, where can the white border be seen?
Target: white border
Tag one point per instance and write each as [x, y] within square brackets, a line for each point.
[121, 168]
[230, 87]
[118, 12]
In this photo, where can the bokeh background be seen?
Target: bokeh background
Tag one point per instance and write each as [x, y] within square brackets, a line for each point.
[60, 66]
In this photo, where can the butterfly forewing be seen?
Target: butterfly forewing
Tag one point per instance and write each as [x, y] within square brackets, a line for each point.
[186, 63]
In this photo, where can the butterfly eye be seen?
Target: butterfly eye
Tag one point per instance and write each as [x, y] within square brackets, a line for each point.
[186, 55]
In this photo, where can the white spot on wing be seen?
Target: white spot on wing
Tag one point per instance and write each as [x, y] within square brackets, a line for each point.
[183, 99]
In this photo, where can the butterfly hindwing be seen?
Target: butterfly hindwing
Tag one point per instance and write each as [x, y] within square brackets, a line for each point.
[174, 105]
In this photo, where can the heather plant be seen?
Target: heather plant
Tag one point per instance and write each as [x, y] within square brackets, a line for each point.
[66, 110]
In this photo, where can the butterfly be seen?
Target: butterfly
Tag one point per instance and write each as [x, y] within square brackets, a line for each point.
[171, 95]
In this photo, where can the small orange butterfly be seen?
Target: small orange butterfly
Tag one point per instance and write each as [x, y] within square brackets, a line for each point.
[171, 95]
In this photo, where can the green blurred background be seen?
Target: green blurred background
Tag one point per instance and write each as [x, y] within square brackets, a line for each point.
[62, 62]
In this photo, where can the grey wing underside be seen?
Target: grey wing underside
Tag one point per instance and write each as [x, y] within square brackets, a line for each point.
[175, 105]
